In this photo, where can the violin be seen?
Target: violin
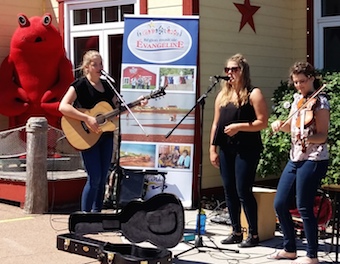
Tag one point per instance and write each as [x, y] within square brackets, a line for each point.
[305, 118]
[304, 104]
[306, 113]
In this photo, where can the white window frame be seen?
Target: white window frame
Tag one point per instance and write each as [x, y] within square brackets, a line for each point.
[319, 24]
[103, 30]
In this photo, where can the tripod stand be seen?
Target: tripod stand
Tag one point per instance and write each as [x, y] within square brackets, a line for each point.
[198, 240]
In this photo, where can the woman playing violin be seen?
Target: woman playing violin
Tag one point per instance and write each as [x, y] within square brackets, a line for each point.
[307, 165]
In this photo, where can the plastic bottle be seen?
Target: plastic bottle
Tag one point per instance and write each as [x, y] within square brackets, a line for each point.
[202, 220]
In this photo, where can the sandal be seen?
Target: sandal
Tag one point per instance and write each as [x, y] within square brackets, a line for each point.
[305, 260]
[282, 255]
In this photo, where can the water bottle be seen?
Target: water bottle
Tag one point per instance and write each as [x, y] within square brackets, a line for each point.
[202, 219]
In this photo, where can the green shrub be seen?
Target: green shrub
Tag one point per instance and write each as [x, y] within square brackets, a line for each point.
[277, 145]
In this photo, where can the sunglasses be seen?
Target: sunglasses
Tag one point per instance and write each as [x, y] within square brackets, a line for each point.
[232, 69]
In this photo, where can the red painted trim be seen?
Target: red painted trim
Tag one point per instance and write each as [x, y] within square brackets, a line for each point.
[61, 12]
[13, 191]
[190, 7]
[310, 31]
[65, 192]
[143, 6]
[60, 192]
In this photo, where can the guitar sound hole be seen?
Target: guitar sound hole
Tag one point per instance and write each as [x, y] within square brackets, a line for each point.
[85, 127]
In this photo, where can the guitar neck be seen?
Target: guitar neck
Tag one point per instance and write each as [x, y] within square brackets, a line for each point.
[122, 109]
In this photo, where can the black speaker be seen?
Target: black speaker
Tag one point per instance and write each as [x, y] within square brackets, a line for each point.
[131, 186]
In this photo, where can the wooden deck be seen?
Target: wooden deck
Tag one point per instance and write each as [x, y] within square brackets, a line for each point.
[64, 185]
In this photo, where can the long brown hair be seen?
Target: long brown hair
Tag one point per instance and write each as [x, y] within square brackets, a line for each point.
[226, 88]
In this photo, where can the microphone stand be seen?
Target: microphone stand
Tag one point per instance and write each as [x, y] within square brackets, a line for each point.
[198, 241]
[122, 101]
[118, 169]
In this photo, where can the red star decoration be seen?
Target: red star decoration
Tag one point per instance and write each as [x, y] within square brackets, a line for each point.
[247, 12]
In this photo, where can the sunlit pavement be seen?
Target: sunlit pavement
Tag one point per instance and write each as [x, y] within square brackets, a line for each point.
[32, 239]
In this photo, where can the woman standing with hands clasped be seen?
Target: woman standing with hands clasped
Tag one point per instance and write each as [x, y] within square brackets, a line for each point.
[85, 93]
[307, 165]
[240, 113]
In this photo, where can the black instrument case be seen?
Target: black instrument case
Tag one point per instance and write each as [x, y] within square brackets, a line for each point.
[159, 220]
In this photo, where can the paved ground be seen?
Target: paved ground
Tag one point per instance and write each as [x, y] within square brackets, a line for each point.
[31, 239]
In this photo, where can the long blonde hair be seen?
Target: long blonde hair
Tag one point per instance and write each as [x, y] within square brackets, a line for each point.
[87, 58]
[226, 88]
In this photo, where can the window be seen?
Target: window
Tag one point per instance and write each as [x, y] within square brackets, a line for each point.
[102, 14]
[111, 14]
[331, 48]
[96, 15]
[81, 45]
[126, 9]
[330, 8]
[98, 25]
[327, 34]
[80, 17]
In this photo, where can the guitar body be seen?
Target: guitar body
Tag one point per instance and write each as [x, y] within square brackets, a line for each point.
[79, 135]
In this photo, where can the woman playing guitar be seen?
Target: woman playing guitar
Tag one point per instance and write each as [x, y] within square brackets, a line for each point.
[85, 93]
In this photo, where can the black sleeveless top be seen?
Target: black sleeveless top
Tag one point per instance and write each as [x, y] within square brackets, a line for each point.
[88, 96]
[242, 140]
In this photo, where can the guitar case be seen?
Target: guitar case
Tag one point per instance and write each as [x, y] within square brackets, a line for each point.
[159, 220]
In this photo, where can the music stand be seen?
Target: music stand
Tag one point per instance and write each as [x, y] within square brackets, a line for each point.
[198, 240]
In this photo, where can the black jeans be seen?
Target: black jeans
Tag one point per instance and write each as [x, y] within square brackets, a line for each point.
[238, 170]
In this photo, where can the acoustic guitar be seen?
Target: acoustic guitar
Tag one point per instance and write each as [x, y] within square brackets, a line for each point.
[82, 137]
[159, 220]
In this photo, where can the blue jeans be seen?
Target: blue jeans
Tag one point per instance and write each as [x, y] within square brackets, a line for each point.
[97, 161]
[238, 170]
[300, 181]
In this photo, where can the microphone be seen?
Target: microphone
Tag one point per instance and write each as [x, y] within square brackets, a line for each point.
[107, 76]
[218, 77]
